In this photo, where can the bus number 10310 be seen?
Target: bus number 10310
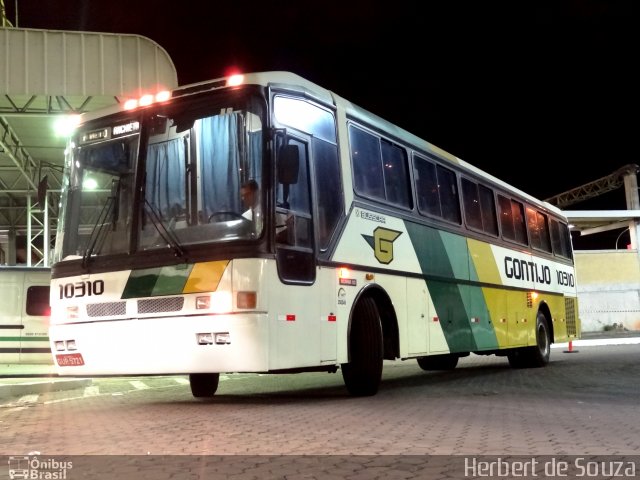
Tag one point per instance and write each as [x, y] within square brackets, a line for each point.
[81, 289]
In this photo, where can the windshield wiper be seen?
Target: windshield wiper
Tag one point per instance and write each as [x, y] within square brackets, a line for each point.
[98, 233]
[167, 235]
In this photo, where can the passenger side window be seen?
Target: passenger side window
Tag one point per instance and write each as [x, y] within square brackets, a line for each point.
[396, 175]
[479, 207]
[538, 230]
[560, 239]
[367, 163]
[380, 168]
[436, 190]
[512, 220]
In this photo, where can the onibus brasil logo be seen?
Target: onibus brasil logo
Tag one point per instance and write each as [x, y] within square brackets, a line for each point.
[33, 467]
[382, 243]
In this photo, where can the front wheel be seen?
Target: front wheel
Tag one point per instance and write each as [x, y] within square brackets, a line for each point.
[363, 372]
[204, 385]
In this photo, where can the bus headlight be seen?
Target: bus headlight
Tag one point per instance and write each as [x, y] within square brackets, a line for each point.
[217, 302]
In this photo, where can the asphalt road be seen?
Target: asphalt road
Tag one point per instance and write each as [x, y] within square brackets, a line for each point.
[584, 403]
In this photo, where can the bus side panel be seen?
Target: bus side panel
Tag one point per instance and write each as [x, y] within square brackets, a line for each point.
[24, 319]
[10, 315]
[443, 259]
[35, 346]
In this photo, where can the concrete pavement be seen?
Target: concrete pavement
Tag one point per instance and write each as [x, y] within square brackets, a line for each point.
[20, 380]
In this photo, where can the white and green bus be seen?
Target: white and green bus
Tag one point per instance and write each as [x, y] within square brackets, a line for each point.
[365, 243]
[24, 316]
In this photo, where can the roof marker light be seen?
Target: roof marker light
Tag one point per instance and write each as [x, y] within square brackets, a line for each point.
[235, 80]
[145, 100]
[130, 104]
[163, 96]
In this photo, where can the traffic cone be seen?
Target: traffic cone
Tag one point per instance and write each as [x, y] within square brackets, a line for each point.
[571, 350]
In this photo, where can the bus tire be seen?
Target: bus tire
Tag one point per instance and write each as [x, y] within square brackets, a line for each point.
[363, 372]
[204, 385]
[438, 362]
[538, 355]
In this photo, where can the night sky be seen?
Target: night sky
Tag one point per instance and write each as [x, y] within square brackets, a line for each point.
[541, 94]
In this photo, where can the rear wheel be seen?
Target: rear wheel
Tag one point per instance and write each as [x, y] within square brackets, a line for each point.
[204, 384]
[363, 372]
[538, 355]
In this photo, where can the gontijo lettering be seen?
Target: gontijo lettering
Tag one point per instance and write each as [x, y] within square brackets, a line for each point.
[526, 270]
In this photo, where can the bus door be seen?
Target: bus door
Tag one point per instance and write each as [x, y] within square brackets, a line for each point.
[294, 225]
[295, 302]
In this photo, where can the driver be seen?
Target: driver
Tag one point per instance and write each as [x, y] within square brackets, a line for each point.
[249, 194]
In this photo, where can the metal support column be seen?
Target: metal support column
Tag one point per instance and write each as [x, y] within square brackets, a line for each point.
[633, 203]
[37, 228]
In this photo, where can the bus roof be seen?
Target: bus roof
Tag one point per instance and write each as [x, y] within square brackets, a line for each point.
[289, 80]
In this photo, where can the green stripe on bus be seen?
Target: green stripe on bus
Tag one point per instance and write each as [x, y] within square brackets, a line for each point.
[24, 339]
[149, 282]
[172, 280]
[444, 260]
[141, 282]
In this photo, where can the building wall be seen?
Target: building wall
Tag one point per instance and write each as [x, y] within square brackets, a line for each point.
[608, 289]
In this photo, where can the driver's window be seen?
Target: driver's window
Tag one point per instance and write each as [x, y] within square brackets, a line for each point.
[293, 205]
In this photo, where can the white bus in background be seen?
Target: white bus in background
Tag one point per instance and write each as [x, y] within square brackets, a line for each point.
[24, 316]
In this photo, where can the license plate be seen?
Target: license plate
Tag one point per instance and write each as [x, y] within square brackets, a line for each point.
[70, 359]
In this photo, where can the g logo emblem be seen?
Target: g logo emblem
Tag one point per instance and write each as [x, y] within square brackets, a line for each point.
[382, 243]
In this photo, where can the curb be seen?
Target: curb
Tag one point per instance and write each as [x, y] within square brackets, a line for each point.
[53, 385]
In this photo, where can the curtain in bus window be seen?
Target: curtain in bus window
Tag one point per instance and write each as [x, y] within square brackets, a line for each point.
[255, 156]
[165, 185]
[220, 163]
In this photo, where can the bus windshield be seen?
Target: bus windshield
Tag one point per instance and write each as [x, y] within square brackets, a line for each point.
[191, 172]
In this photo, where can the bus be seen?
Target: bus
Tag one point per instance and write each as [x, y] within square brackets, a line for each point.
[24, 316]
[365, 243]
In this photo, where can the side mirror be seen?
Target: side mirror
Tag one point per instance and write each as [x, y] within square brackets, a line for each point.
[288, 164]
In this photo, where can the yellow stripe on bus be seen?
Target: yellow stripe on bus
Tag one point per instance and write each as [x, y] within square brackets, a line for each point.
[484, 262]
[205, 276]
